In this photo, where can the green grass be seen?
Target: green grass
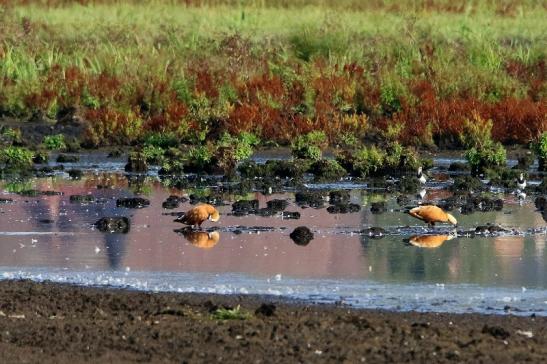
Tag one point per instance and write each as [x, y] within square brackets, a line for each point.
[231, 314]
[217, 64]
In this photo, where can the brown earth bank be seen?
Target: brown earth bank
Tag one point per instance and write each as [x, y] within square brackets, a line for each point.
[56, 323]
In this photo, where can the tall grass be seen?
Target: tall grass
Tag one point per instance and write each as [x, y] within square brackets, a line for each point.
[277, 68]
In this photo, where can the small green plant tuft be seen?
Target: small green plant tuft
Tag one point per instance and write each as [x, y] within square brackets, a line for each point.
[482, 153]
[309, 146]
[540, 149]
[231, 314]
[16, 157]
[54, 142]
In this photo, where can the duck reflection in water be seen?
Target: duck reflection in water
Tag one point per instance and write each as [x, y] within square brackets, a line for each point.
[201, 239]
[428, 241]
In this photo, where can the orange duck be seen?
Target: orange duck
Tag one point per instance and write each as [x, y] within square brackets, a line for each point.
[432, 214]
[197, 215]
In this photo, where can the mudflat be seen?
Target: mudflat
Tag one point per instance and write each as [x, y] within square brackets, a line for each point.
[57, 323]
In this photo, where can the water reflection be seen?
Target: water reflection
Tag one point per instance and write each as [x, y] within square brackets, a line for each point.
[262, 245]
[429, 241]
[200, 239]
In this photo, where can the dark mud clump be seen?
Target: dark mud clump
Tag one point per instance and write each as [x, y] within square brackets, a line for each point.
[244, 207]
[173, 202]
[277, 205]
[82, 199]
[339, 196]
[132, 202]
[290, 215]
[113, 225]
[313, 199]
[75, 173]
[40, 158]
[301, 236]
[215, 200]
[65, 158]
[465, 184]
[342, 208]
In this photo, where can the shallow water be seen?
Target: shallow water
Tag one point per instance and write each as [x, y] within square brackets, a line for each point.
[48, 237]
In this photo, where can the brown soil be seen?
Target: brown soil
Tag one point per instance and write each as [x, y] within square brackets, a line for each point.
[52, 323]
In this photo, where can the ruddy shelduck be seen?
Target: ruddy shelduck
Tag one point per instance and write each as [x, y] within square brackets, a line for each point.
[432, 214]
[197, 215]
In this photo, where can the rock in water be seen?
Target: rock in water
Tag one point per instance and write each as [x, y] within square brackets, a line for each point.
[301, 236]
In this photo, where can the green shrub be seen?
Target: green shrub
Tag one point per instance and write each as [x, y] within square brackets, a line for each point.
[161, 140]
[199, 157]
[241, 147]
[540, 149]
[309, 146]
[16, 157]
[230, 314]
[10, 136]
[482, 153]
[54, 142]
[152, 154]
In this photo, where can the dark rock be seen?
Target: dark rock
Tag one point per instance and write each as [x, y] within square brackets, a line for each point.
[245, 207]
[172, 202]
[136, 163]
[51, 193]
[466, 184]
[290, 215]
[65, 158]
[82, 198]
[301, 236]
[265, 309]
[5, 200]
[309, 198]
[378, 207]
[29, 193]
[338, 196]
[75, 173]
[40, 158]
[541, 203]
[113, 225]
[211, 200]
[343, 208]
[46, 221]
[277, 205]
[132, 202]
[496, 331]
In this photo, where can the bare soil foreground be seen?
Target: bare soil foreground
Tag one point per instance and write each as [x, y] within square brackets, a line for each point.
[53, 323]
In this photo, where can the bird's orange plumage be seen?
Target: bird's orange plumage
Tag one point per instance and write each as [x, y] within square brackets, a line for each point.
[198, 214]
[432, 214]
[429, 241]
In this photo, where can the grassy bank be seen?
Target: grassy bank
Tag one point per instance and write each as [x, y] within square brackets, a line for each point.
[276, 68]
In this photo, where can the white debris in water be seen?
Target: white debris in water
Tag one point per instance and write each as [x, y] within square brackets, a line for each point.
[278, 277]
[127, 269]
[97, 250]
[370, 268]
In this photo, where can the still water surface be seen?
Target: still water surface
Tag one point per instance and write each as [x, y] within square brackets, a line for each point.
[48, 237]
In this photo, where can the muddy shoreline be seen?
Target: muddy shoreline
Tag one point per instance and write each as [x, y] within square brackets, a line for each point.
[57, 323]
